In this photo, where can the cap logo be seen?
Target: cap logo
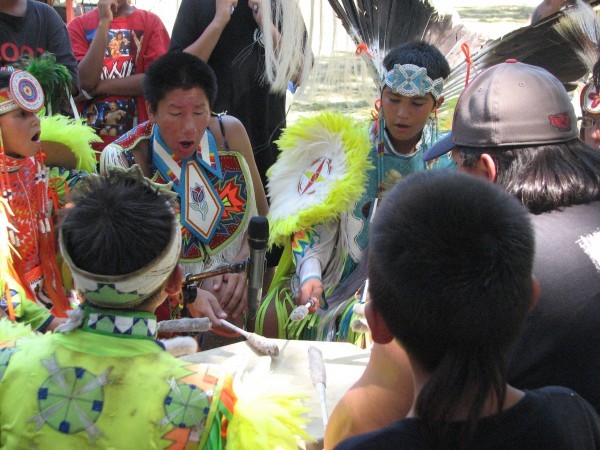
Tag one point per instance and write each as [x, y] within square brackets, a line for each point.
[561, 121]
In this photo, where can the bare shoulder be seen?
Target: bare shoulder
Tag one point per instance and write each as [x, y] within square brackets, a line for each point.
[231, 124]
[235, 132]
[361, 410]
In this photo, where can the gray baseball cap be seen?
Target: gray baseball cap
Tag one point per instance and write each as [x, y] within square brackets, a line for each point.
[510, 104]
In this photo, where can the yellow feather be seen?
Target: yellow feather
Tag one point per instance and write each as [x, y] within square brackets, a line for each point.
[5, 245]
[297, 140]
[268, 414]
[75, 135]
[9, 331]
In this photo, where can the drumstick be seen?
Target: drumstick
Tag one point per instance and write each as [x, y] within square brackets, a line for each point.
[360, 326]
[180, 345]
[318, 377]
[300, 312]
[259, 343]
[185, 325]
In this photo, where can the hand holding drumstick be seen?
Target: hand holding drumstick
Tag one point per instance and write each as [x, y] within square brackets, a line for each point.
[308, 297]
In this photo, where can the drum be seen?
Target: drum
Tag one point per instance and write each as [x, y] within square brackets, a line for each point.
[344, 364]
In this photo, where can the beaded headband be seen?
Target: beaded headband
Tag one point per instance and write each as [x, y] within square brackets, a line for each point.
[128, 290]
[412, 81]
[590, 98]
[23, 91]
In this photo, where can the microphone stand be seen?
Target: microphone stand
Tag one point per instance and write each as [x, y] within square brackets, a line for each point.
[254, 266]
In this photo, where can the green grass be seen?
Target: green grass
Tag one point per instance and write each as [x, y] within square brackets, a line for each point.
[496, 13]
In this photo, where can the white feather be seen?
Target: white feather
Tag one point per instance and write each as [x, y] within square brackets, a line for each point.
[180, 345]
[285, 175]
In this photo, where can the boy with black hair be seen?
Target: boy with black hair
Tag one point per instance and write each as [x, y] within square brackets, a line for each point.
[450, 271]
[103, 380]
[515, 125]
[209, 161]
[327, 246]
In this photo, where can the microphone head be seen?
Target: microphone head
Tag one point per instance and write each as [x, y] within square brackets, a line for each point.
[258, 232]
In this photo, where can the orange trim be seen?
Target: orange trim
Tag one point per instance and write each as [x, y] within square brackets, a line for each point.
[12, 272]
[210, 379]
[228, 397]
[11, 308]
[362, 48]
[54, 184]
[27, 279]
[467, 52]
[375, 112]
[69, 10]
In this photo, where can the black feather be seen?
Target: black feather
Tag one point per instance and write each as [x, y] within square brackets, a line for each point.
[384, 24]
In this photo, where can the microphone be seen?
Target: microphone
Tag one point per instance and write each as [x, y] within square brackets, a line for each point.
[258, 238]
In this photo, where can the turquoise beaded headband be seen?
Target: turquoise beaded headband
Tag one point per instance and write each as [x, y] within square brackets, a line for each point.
[412, 81]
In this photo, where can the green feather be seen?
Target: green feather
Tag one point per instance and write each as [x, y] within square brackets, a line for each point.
[55, 79]
[11, 330]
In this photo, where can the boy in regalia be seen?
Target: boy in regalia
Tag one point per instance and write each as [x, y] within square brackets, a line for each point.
[34, 275]
[102, 379]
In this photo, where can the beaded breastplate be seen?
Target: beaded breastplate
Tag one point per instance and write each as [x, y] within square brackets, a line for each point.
[212, 189]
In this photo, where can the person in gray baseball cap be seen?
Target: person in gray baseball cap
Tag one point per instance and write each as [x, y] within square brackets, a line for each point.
[510, 107]
[515, 125]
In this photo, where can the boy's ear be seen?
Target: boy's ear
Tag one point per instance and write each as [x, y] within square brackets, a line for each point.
[174, 281]
[379, 329]
[150, 111]
[484, 167]
[488, 166]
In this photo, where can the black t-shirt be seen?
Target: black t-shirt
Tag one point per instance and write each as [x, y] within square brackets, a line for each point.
[561, 341]
[40, 30]
[549, 418]
[238, 61]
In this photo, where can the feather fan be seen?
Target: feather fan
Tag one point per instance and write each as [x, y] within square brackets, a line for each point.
[383, 24]
[581, 27]
[539, 44]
